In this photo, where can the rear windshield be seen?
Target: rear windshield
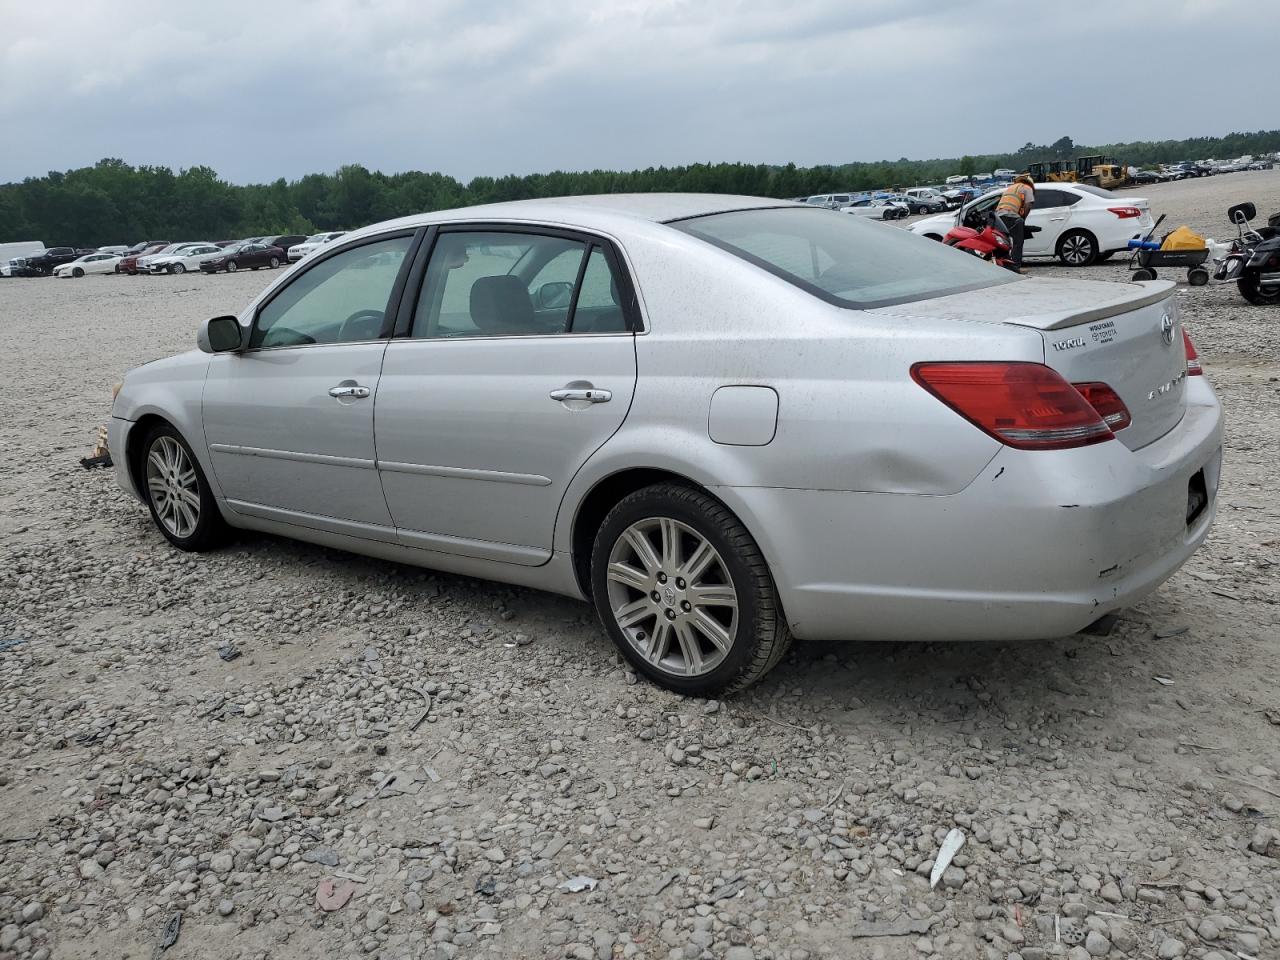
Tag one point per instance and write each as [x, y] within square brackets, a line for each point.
[843, 259]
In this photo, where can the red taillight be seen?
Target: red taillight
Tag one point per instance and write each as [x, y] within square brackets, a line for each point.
[1024, 405]
[1125, 213]
[1108, 404]
[1193, 359]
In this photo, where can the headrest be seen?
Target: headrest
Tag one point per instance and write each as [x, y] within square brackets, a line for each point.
[501, 305]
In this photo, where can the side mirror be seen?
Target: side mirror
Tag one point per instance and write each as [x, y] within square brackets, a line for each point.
[553, 296]
[219, 335]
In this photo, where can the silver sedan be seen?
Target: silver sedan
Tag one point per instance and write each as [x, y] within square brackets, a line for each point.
[725, 421]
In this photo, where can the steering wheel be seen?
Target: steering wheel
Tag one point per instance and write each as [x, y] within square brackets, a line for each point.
[356, 324]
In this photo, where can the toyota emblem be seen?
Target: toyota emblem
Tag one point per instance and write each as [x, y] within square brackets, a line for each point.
[1166, 329]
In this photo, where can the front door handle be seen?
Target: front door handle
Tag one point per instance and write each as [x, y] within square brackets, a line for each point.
[591, 395]
[349, 390]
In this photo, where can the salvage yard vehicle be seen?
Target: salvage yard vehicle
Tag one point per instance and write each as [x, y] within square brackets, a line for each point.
[186, 258]
[248, 255]
[1079, 224]
[726, 421]
[90, 263]
[312, 244]
[876, 209]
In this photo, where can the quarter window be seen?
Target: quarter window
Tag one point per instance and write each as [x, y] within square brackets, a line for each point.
[340, 300]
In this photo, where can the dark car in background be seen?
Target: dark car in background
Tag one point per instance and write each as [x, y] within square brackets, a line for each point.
[241, 255]
[284, 241]
[42, 264]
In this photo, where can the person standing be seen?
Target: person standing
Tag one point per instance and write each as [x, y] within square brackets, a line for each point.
[1015, 203]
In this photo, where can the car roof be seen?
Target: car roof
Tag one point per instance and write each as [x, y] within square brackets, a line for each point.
[599, 211]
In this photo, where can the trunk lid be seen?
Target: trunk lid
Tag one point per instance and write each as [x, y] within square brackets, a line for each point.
[1126, 335]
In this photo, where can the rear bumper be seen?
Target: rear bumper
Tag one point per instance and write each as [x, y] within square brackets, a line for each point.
[1040, 545]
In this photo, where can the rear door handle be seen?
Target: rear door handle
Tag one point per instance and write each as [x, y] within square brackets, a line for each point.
[354, 391]
[592, 395]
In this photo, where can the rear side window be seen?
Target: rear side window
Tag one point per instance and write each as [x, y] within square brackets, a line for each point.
[497, 284]
[845, 260]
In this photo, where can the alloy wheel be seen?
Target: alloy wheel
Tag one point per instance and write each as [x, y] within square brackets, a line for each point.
[672, 596]
[1077, 249]
[173, 487]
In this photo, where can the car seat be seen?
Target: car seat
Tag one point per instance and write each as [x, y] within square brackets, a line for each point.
[501, 307]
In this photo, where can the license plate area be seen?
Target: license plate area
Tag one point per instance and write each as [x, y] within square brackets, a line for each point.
[1197, 497]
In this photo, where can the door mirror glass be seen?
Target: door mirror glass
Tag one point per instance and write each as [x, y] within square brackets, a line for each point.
[554, 296]
[219, 335]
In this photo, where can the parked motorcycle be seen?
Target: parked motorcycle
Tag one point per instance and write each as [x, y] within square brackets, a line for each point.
[1253, 261]
[992, 242]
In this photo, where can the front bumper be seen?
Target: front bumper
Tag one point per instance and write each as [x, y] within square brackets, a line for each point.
[118, 443]
[1040, 545]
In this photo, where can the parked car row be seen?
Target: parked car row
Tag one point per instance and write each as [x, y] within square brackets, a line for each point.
[161, 256]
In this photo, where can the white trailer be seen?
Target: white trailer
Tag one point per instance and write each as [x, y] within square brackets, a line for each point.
[15, 251]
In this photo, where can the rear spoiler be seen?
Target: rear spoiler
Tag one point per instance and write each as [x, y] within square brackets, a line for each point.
[1156, 290]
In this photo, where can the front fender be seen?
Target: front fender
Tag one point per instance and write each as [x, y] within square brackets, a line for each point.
[172, 390]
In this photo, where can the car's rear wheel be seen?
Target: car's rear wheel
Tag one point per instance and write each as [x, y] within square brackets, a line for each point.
[178, 495]
[1077, 248]
[275, 262]
[684, 592]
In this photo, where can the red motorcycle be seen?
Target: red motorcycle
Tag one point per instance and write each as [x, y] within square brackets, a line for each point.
[990, 243]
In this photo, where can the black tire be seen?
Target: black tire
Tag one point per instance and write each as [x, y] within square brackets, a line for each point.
[77, 272]
[232, 266]
[1144, 273]
[275, 262]
[1077, 248]
[253, 268]
[759, 634]
[1198, 277]
[1251, 289]
[209, 529]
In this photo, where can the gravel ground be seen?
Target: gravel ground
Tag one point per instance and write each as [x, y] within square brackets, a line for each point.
[1105, 813]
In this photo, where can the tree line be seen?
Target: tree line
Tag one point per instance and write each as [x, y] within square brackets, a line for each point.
[115, 202]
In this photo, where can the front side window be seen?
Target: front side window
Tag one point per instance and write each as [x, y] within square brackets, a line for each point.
[340, 300]
[497, 284]
[844, 260]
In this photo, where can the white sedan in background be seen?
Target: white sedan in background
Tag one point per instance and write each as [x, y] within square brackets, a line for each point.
[188, 258]
[90, 263]
[145, 262]
[311, 244]
[1079, 224]
[877, 209]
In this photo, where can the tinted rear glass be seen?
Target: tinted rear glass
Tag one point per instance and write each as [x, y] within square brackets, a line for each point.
[843, 259]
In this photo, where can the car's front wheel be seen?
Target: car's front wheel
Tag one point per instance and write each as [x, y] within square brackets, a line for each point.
[178, 495]
[177, 268]
[1077, 248]
[232, 266]
[77, 272]
[685, 593]
[275, 262]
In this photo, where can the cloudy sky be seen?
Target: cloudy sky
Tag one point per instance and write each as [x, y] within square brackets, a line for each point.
[260, 90]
